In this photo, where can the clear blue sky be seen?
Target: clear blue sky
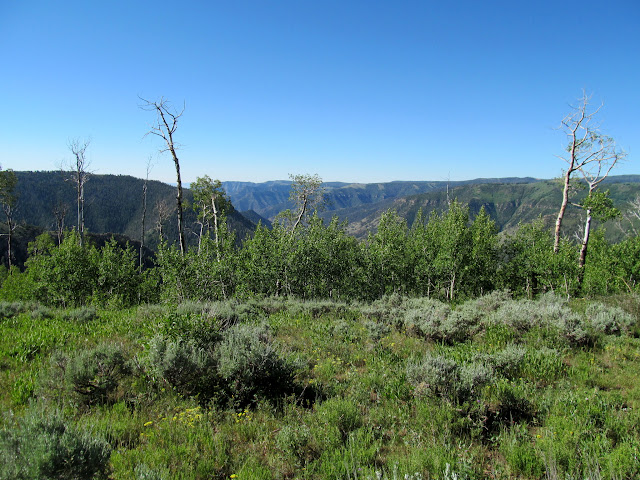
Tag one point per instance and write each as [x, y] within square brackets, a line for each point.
[361, 91]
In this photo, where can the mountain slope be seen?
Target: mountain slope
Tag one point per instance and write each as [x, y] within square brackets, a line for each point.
[507, 204]
[113, 204]
[270, 198]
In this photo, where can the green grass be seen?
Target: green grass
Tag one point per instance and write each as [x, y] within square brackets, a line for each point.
[552, 408]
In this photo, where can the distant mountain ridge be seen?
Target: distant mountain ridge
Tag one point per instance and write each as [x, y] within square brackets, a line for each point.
[114, 202]
[269, 198]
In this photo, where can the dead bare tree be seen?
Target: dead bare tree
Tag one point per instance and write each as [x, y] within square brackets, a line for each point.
[60, 210]
[163, 210]
[144, 209]
[9, 199]
[583, 148]
[164, 127]
[593, 155]
[79, 176]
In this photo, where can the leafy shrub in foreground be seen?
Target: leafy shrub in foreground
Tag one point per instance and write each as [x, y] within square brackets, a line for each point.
[44, 446]
[340, 414]
[250, 365]
[297, 441]
[185, 364]
[96, 373]
[436, 375]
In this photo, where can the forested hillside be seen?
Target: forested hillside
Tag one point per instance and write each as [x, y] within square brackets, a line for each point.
[508, 204]
[113, 204]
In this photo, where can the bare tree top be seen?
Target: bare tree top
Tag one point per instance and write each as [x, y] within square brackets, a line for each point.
[166, 123]
[589, 151]
[78, 148]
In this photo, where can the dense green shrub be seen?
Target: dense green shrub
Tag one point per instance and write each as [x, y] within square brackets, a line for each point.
[43, 445]
[297, 442]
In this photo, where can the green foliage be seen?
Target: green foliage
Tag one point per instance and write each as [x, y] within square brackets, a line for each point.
[71, 274]
[339, 414]
[205, 395]
[118, 278]
[388, 258]
[600, 205]
[204, 275]
[45, 446]
[530, 266]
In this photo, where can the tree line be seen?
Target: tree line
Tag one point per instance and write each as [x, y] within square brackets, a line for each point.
[448, 255]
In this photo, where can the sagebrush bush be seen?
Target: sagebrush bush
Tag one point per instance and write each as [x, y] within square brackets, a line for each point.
[143, 472]
[434, 375]
[492, 301]
[376, 330]
[11, 309]
[185, 364]
[427, 319]
[577, 329]
[95, 374]
[509, 361]
[43, 445]
[439, 376]
[609, 320]
[250, 364]
[151, 312]
[389, 309]
[473, 377]
[516, 315]
[40, 312]
[81, 315]
[462, 324]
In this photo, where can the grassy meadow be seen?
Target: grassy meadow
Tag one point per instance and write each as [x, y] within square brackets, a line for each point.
[401, 388]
